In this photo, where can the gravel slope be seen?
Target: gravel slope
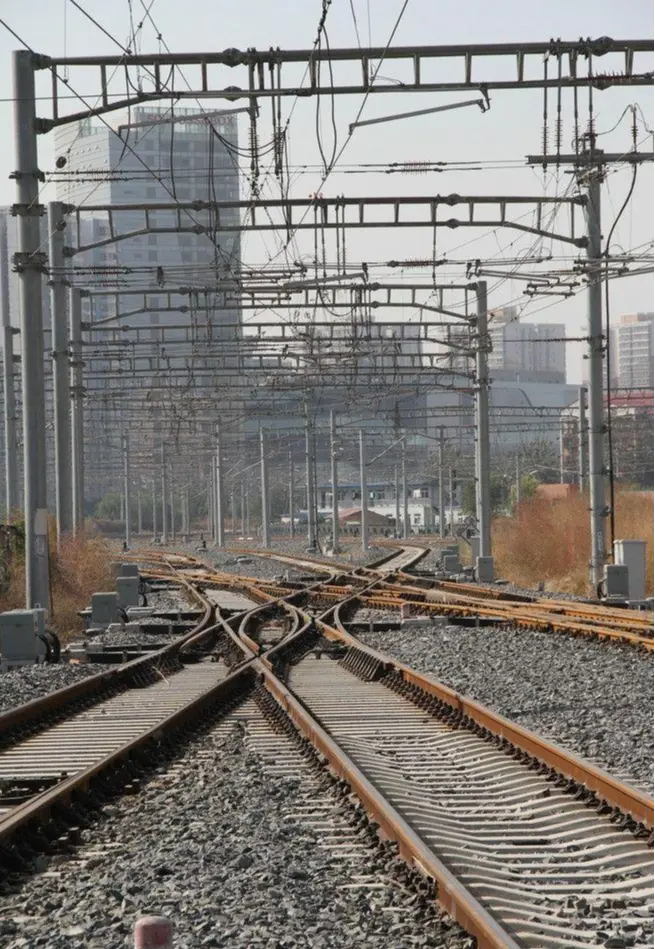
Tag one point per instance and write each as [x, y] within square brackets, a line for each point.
[596, 699]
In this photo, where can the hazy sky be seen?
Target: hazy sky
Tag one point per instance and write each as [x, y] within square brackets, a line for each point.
[508, 132]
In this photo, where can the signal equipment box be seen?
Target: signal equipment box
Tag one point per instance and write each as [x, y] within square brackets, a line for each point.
[617, 580]
[632, 554]
[128, 591]
[104, 609]
[19, 638]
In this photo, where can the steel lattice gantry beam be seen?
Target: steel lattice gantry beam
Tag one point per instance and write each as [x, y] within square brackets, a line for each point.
[358, 298]
[334, 214]
[250, 74]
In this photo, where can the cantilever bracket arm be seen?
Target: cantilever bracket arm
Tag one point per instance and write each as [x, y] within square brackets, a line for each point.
[483, 105]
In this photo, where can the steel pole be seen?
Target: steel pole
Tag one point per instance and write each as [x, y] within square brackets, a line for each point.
[597, 474]
[292, 526]
[210, 501]
[12, 494]
[264, 467]
[403, 465]
[451, 491]
[214, 518]
[61, 394]
[309, 458]
[397, 494]
[139, 512]
[364, 489]
[583, 436]
[335, 483]
[77, 400]
[562, 478]
[483, 489]
[518, 486]
[154, 505]
[243, 509]
[126, 485]
[164, 498]
[30, 260]
[442, 502]
[220, 498]
[171, 496]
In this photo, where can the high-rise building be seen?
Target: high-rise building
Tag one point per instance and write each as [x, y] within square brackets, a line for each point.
[537, 349]
[632, 351]
[152, 156]
[166, 158]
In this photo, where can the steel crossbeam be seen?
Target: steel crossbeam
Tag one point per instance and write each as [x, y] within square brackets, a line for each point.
[338, 213]
[251, 74]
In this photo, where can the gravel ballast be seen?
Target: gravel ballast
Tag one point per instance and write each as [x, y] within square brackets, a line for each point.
[266, 568]
[25, 683]
[170, 601]
[594, 698]
[223, 848]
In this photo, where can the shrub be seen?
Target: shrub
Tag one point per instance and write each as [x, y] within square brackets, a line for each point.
[550, 541]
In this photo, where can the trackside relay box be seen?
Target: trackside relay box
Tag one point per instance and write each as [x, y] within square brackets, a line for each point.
[104, 608]
[19, 638]
[128, 591]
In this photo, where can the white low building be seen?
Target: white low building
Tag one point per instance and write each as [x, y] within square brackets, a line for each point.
[423, 514]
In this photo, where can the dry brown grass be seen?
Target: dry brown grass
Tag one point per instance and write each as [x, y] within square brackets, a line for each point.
[551, 542]
[79, 568]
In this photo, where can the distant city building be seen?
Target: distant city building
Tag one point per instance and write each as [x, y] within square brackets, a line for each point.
[522, 407]
[422, 503]
[537, 349]
[632, 438]
[158, 156]
[632, 351]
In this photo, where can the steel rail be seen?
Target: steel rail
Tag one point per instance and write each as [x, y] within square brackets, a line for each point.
[450, 892]
[628, 618]
[64, 795]
[97, 685]
[523, 615]
[629, 800]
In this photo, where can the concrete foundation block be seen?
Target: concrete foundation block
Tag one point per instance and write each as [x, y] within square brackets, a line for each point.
[616, 579]
[128, 591]
[475, 547]
[139, 612]
[128, 570]
[451, 563]
[484, 569]
[104, 608]
[632, 554]
[19, 642]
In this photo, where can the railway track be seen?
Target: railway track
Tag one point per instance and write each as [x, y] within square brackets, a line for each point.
[60, 742]
[396, 587]
[524, 844]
